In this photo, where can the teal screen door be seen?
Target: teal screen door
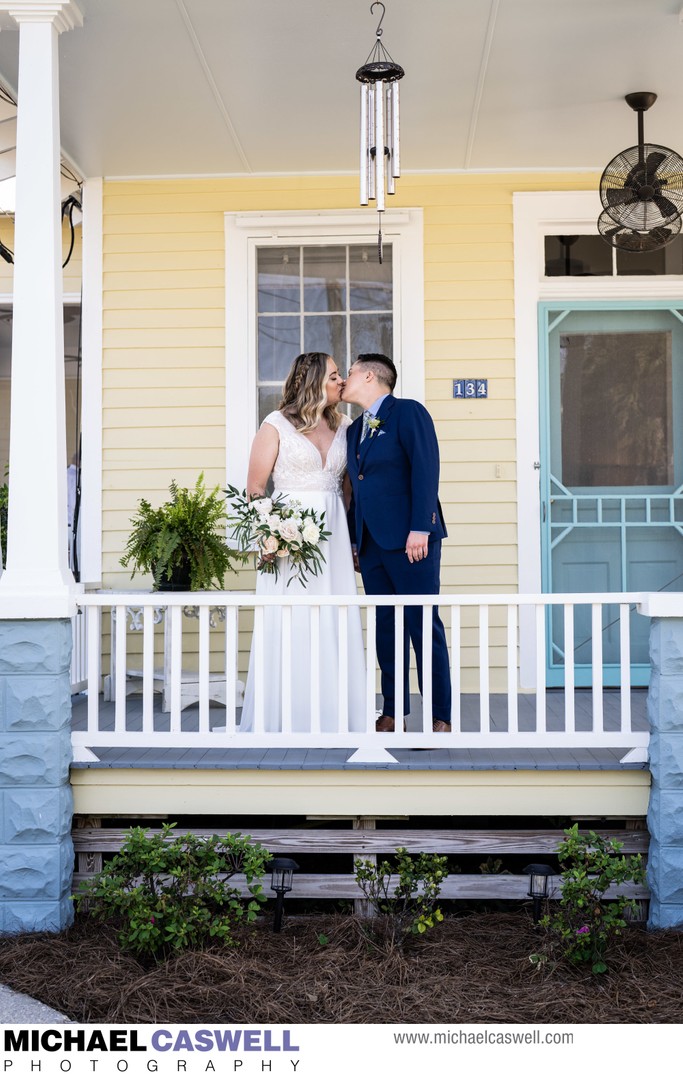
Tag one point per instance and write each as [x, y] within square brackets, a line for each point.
[611, 469]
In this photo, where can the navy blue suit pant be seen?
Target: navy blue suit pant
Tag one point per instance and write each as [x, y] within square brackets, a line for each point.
[388, 571]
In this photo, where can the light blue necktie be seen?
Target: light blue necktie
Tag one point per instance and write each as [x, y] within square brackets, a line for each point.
[367, 415]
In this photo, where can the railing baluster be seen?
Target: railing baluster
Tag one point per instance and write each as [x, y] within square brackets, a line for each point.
[176, 649]
[204, 667]
[120, 662]
[625, 667]
[343, 667]
[540, 669]
[314, 612]
[484, 678]
[286, 671]
[148, 669]
[259, 663]
[427, 630]
[231, 649]
[370, 649]
[456, 678]
[596, 631]
[94, 630]
[399, 666]
[513, 701]
[569, 670]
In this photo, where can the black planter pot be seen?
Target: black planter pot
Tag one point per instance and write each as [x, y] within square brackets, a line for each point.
[179, 580]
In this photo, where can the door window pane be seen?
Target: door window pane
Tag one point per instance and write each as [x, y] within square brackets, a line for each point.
[666, 260]
[577, 255]
[617, 420]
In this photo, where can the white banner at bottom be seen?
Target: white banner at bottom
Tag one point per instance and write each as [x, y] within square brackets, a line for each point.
[330, 1049]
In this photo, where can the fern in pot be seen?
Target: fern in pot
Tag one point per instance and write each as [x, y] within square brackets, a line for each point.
[182, 543]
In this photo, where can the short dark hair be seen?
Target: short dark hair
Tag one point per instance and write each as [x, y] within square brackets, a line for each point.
[382, 367]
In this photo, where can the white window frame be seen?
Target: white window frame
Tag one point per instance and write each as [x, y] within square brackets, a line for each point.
[244, 234]
[536, 215]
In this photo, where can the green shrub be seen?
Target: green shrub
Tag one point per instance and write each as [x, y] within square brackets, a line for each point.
[411, 907]
[165, 894]
[584, 924]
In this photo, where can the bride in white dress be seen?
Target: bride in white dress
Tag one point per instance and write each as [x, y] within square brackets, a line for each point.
[303, 446]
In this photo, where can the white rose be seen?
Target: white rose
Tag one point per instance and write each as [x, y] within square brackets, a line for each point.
[311, 533]
[270, 545]
[273, 522]
[282, 553]
[263, 505]
[289, 531]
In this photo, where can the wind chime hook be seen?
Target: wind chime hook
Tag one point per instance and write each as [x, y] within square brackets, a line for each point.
[378, 3]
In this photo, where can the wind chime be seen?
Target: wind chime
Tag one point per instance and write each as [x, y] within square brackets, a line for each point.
[380, 154]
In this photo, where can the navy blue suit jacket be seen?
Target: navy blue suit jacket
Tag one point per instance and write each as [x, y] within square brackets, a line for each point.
[395, 476]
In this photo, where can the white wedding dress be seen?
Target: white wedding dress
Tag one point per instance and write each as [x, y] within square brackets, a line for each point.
[299, 474]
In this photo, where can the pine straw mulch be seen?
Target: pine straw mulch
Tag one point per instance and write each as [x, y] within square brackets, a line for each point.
[474, 969]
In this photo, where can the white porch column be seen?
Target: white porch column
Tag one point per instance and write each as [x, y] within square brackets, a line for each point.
[37, 581]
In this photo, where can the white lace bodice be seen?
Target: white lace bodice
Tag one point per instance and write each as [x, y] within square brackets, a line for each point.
[299, 465]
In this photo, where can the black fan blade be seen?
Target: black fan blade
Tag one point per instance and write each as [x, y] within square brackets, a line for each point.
[617, 196]
[665, 207]
[637, 176]
[652, 164]
[660, 235]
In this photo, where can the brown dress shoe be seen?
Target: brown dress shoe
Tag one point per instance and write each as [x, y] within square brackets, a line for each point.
[441, 726]
[386, 724]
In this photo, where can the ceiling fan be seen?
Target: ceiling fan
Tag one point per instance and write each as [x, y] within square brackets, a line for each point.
[641, 188]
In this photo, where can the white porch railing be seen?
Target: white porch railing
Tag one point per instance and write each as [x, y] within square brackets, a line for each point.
[175, 638]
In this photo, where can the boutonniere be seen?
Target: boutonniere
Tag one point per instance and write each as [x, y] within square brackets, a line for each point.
[374, 425]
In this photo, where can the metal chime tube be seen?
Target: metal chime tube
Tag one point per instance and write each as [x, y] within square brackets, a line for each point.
[379, 145]
[395, 140]
[372, 171]
[365, 159]
[391, 186]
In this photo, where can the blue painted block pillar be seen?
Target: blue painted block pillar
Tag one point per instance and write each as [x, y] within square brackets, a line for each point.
[36, 851]
[665, 814]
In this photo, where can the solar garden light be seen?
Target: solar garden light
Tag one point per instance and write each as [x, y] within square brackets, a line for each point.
[539, 873]
[281, 882]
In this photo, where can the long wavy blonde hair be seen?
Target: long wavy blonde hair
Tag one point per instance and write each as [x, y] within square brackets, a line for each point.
[304, 399]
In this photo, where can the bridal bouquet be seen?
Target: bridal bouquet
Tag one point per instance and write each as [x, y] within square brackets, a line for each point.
[277, 529]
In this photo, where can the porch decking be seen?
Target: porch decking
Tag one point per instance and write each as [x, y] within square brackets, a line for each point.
[451, 758]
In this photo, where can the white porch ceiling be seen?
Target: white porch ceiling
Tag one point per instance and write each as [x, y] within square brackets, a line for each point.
[196, 87]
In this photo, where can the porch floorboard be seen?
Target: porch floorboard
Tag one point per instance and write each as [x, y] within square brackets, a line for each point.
[407, 759]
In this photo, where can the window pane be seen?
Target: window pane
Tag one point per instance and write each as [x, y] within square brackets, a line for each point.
[667, 259]
[617, 421]
[269, 399]
[328, 334]
[278, 280]
[278, 346]
[370, 282]
[577, 255]
[324, 278]
[372, 333]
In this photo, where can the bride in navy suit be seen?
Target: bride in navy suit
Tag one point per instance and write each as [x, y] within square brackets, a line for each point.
[396, 523]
